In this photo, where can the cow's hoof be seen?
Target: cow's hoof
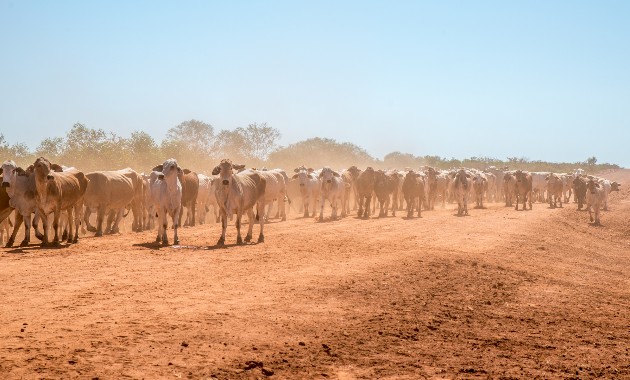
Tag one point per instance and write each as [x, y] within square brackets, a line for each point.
[165, 242]
[176, 242]
[39, 235]
[64, 236]
[24, 243]
[9, 244]
[91, 228]
[56, 244]
[239, 240]
[221, 242]
[75, 240]
[99, 234]
[248, 238]
[284, 218]
[261, 239]
[305, 215]
[321, 219]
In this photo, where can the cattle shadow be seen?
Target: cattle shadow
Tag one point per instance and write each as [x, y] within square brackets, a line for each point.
[410, 217]
[34, 248]
[152, 245]
[594, 224]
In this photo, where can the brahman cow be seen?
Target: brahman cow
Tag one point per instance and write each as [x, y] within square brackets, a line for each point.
[239, 193]
[190, 191]
[386, 190]
[310, 187]
[461, 186]
[107, 191]
[332, 189]
[59, 191]
[20, 186]
[275, 190]
[413, 192]
[608, 186]
[365, 187]
[480, 187]
[431, 188]
[594, 200]
[579, 188]
[523, 189]
[554, 190]
[166, 196]
[206, 198]
[509, 188]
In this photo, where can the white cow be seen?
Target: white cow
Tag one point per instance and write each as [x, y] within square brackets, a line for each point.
[275, 190]
[309, 189]
[206, 198]
[332, 189]
[239, 193]
[607, 186]
[166, 196]
[594, 199]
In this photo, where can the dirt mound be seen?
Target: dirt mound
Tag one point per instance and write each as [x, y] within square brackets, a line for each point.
[498, 294]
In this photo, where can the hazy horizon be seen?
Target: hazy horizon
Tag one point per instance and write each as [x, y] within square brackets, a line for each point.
[542, 80]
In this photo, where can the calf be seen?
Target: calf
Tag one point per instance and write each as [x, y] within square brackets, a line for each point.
[579, 188]
[460, 187]
[386, 187]
[509, 188]
[309, 189]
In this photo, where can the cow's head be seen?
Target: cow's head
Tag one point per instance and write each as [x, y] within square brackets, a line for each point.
[168, 169]
[7, 171]
[303, 176]
[354, 171]
[615, 186]
[43, 168]
[225, 170]
[327, 174]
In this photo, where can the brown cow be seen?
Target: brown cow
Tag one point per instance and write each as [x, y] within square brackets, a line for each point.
[59, 191]
[413, 192]
[554, 190]
[365, 187]
[190, 190]
[579, 185]
[523, 189]
[432, 185]
[386, 188]
[509, 188]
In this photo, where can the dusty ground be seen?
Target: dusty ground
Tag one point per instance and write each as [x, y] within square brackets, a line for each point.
[498, 294]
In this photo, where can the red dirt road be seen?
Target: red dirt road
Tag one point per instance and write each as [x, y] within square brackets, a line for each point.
[498, 294]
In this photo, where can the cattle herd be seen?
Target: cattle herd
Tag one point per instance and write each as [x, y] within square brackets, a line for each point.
[64, 197]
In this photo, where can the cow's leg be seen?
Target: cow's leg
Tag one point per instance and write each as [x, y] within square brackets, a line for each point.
[261, 236]
[158, 239]
[176, 225]
[27, 230]
[164, 224]
[283, 207]
[100, 218]
[321, 209]
[116, 225]
[86, 218]
[56, 216]
[360, 214]
[223, 216]
[239, 216]
[16, 226]
[70, 224]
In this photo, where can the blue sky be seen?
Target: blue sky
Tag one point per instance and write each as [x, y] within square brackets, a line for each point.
[546, 80]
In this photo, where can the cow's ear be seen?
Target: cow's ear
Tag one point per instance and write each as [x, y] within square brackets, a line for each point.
[295, 176]
[187, 171]
[296, 170]
[158, 168]
[30, 169]
[238, 167]
[1, 171]
[216, 170]
[56, 168]
[179, 171]
[335, 174]
[321, 174]
[468, 175]
[310, 170]
[20, 172]
[311, 176]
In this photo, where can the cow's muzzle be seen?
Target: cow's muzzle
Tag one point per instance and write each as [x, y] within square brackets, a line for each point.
[302, 185]
[6, 184]
[50, 177]
[328, 181]
[226, 182]
[160, 176]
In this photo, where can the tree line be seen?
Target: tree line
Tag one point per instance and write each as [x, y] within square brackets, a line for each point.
[197, 146]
